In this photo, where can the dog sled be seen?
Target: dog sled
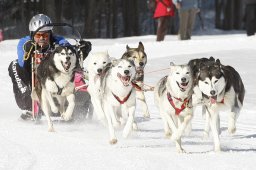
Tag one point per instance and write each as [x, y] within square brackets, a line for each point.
[83, 107]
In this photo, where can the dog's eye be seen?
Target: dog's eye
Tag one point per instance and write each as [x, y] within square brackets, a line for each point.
[119, 66]
[187, 72]
[134, 57]
[104, 62]
[69, 53]
[177, 73]
[215, 81]
[129, 66]
[62, 53]
[206, 82]
[94, 63]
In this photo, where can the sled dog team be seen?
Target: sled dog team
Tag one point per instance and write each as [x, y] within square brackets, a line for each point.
[116, 85]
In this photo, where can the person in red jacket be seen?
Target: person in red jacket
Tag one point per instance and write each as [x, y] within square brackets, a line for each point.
[164, 10]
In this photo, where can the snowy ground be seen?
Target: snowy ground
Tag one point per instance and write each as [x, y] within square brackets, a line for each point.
[84, 145]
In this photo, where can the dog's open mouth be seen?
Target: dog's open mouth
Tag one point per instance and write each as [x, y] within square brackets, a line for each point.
[213, 99]
[183, 86]
[124, 79]
[66, 65]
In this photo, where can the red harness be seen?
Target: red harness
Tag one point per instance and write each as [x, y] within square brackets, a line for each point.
[183, 106]
[125, 99]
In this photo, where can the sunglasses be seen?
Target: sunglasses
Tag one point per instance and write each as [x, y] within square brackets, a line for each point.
[43, 35]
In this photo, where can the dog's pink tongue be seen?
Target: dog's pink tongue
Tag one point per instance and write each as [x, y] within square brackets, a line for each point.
[213, 101]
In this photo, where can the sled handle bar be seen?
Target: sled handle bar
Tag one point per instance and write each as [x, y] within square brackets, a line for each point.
[58, 24]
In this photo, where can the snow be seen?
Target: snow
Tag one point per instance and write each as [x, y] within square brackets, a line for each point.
[84, 145]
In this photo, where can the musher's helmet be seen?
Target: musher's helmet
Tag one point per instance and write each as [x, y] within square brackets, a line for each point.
[38, 21]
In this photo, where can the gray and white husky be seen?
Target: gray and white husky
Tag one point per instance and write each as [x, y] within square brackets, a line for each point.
[218, 88]
[173, 99]
[119, 97]
[139, 57]
[55, 76]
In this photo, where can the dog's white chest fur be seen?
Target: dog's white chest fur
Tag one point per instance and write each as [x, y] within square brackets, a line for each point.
[61, 81]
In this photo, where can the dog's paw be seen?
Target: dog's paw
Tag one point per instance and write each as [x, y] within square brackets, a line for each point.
[66, 116]
[231, 130]
[134, 126]
[181, 150]
[54, 109]
[168, 134]
[113, 141]
[146, 115]
[51, 129]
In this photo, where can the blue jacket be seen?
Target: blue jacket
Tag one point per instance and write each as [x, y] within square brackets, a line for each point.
[187, 4]
[20, 48]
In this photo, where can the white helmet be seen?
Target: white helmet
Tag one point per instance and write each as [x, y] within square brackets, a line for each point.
[38, 21]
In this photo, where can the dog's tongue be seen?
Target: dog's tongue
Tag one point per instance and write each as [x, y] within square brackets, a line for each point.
[213, 101]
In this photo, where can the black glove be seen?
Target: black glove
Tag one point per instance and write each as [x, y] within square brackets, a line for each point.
[28, 46]
[85, 47]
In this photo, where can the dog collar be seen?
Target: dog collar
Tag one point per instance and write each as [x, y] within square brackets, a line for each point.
[125, 99]
[183, 106]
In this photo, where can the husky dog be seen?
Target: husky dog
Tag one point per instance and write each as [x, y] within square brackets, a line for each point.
[173, 99]
[97, 66]
[221, 88]
[139, 57]
[55, 77]
[119, 97]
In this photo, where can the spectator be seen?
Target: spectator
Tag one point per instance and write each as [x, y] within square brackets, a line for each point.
[250, 17]
[1, 35]
[164, 10]
[187, 13]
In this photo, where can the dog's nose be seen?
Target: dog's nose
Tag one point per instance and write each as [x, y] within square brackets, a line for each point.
[141, 64]
[183, 79]
[126, 72]
[67, 58]
[99, 70]
[213, 92]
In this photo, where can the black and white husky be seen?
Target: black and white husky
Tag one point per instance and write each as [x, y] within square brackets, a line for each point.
[55, 76]
[173, 98]
[119, 97]
[139, 57]
[218, 88]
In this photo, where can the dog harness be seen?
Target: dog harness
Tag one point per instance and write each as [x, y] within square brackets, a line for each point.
[183, 106]
[136, 86]
[125, 99]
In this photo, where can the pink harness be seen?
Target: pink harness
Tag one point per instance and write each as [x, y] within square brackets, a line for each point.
[79, 82]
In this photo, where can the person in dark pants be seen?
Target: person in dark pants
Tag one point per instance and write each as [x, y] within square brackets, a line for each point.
[164, 10]
[187, 14]
[250, 17]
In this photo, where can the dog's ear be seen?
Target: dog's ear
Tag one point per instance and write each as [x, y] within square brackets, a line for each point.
[212, 58]
[127, 48]
[218, 61]
[114, 62]
[141, 46]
